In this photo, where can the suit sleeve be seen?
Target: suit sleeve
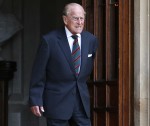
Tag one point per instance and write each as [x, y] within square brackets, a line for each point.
[38, 75]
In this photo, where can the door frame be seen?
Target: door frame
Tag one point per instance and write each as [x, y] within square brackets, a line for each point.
[126, 63]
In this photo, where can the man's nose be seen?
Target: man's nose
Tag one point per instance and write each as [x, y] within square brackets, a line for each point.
[80, 21]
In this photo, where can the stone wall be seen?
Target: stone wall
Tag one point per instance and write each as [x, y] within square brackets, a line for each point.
[21, 48]
[141, 63]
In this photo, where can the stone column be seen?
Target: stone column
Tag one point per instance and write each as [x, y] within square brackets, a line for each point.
[141, 63]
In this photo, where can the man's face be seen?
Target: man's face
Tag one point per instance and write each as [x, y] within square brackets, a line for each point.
[74, 21]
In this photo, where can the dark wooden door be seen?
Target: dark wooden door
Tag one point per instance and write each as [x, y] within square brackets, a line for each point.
[110, 103]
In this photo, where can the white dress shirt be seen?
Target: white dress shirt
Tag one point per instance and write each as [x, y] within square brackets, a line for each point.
[70, 39]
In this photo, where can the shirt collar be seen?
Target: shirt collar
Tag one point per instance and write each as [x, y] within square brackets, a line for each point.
[69, 34]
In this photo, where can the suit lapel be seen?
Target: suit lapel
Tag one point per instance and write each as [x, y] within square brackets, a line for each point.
[63, 42]
[84, 51]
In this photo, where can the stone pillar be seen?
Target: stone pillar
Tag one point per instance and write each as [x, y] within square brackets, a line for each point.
[7, 69]
[141, 63]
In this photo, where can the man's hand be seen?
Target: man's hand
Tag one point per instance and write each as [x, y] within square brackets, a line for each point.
[37, 110]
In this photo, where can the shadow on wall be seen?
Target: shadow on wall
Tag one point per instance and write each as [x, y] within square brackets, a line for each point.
[9, 26]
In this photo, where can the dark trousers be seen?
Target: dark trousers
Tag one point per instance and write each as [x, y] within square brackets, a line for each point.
[78, 118]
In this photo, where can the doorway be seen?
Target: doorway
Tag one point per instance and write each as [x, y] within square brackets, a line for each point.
[111, 83]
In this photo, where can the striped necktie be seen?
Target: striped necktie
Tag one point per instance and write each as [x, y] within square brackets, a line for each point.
[76, 54]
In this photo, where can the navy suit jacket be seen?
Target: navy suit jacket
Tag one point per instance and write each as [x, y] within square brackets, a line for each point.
[53, 80]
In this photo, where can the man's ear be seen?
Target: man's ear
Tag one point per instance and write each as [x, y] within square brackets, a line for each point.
[65, 20]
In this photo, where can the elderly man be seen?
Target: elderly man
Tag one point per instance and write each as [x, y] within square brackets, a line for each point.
[63, 63]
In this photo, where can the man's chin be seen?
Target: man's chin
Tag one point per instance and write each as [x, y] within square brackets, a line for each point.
[78, 31]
